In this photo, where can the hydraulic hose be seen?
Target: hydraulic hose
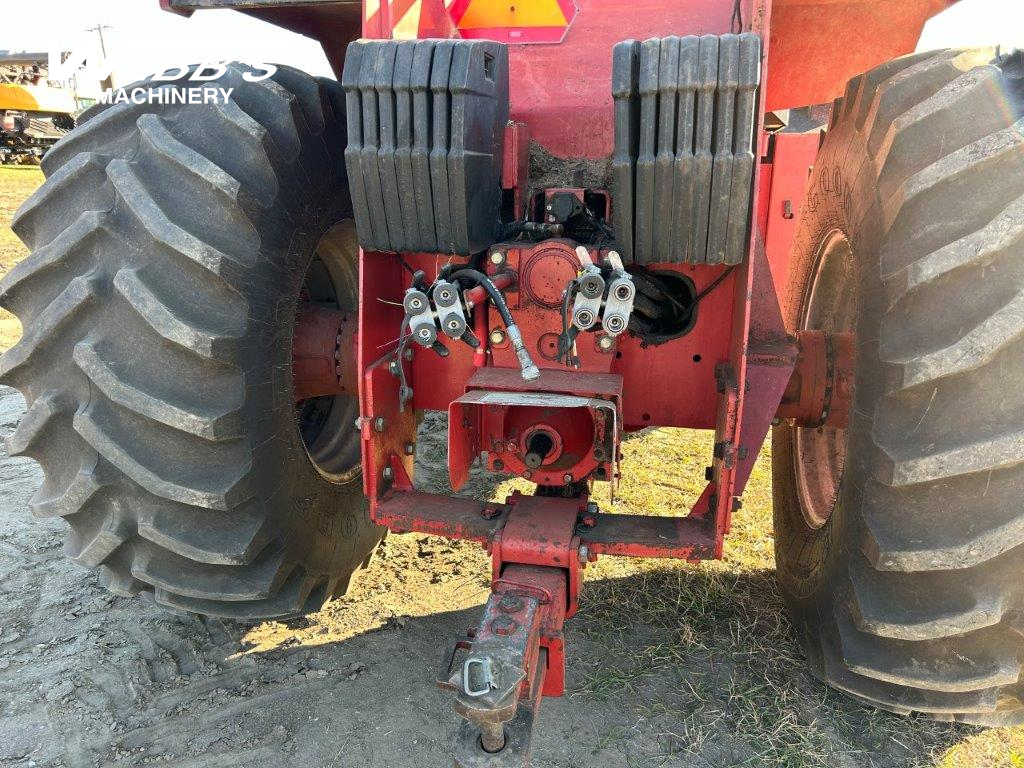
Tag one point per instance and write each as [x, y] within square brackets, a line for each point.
[479, 278]
[529, 368]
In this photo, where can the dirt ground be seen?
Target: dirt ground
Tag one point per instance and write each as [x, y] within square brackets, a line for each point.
[668, 664]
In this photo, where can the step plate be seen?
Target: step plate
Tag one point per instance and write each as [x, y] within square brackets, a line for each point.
[683, 166]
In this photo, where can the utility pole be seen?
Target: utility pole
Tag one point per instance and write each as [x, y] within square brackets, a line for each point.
[109, 81]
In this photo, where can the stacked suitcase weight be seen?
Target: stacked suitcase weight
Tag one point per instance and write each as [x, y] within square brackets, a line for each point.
[683, 166]
[426, 122]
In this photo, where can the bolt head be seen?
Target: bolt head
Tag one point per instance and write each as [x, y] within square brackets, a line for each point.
[584, 553]
[504, 626]
[497, 258]
[605, 342]
[410, 449]
[388, 473]
[567, 477]
[510, 603]
[497, 336]
[379, 424]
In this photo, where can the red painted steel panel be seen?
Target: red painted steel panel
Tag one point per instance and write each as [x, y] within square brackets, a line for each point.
[687, 363]
[380, 279]
[563, 90]
[673, 384]
[687, 538]
[817, 45]
[793, 157]
[484, 522]
[449, 516]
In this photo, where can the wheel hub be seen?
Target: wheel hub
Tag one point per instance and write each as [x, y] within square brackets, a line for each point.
[826, 374]
[324, 369]
[323, 352]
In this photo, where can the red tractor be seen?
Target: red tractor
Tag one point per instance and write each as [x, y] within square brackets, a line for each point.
[235, 313]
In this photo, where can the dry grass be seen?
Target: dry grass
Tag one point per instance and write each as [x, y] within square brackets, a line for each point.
[16, 184]
[698, 658]
[714, 663]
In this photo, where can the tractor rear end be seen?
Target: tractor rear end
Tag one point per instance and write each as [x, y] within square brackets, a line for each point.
[557, 234]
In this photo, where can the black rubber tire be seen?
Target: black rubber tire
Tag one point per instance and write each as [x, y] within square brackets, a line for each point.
[911, 596]
[169, 245]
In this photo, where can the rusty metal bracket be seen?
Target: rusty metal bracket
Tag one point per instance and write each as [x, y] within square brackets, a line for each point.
[485, 419]
[516, 655]
[469, 751]
[444, 677]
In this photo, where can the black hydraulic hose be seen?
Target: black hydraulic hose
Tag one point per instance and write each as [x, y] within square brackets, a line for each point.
[404, 390]
[492, 290]
[714, 284]
[568, 336]
[530, 370]
[532, 229]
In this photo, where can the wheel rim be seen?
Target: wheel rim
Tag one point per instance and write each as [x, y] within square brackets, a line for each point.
[326, 423]
[819, 453]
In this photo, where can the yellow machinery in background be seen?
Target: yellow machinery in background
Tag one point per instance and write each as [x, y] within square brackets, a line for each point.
[35, 112]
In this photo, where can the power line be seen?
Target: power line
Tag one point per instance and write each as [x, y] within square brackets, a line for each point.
[108, 82]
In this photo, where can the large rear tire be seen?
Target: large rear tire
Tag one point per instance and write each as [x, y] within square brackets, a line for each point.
[170, 245]
[899, 541]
